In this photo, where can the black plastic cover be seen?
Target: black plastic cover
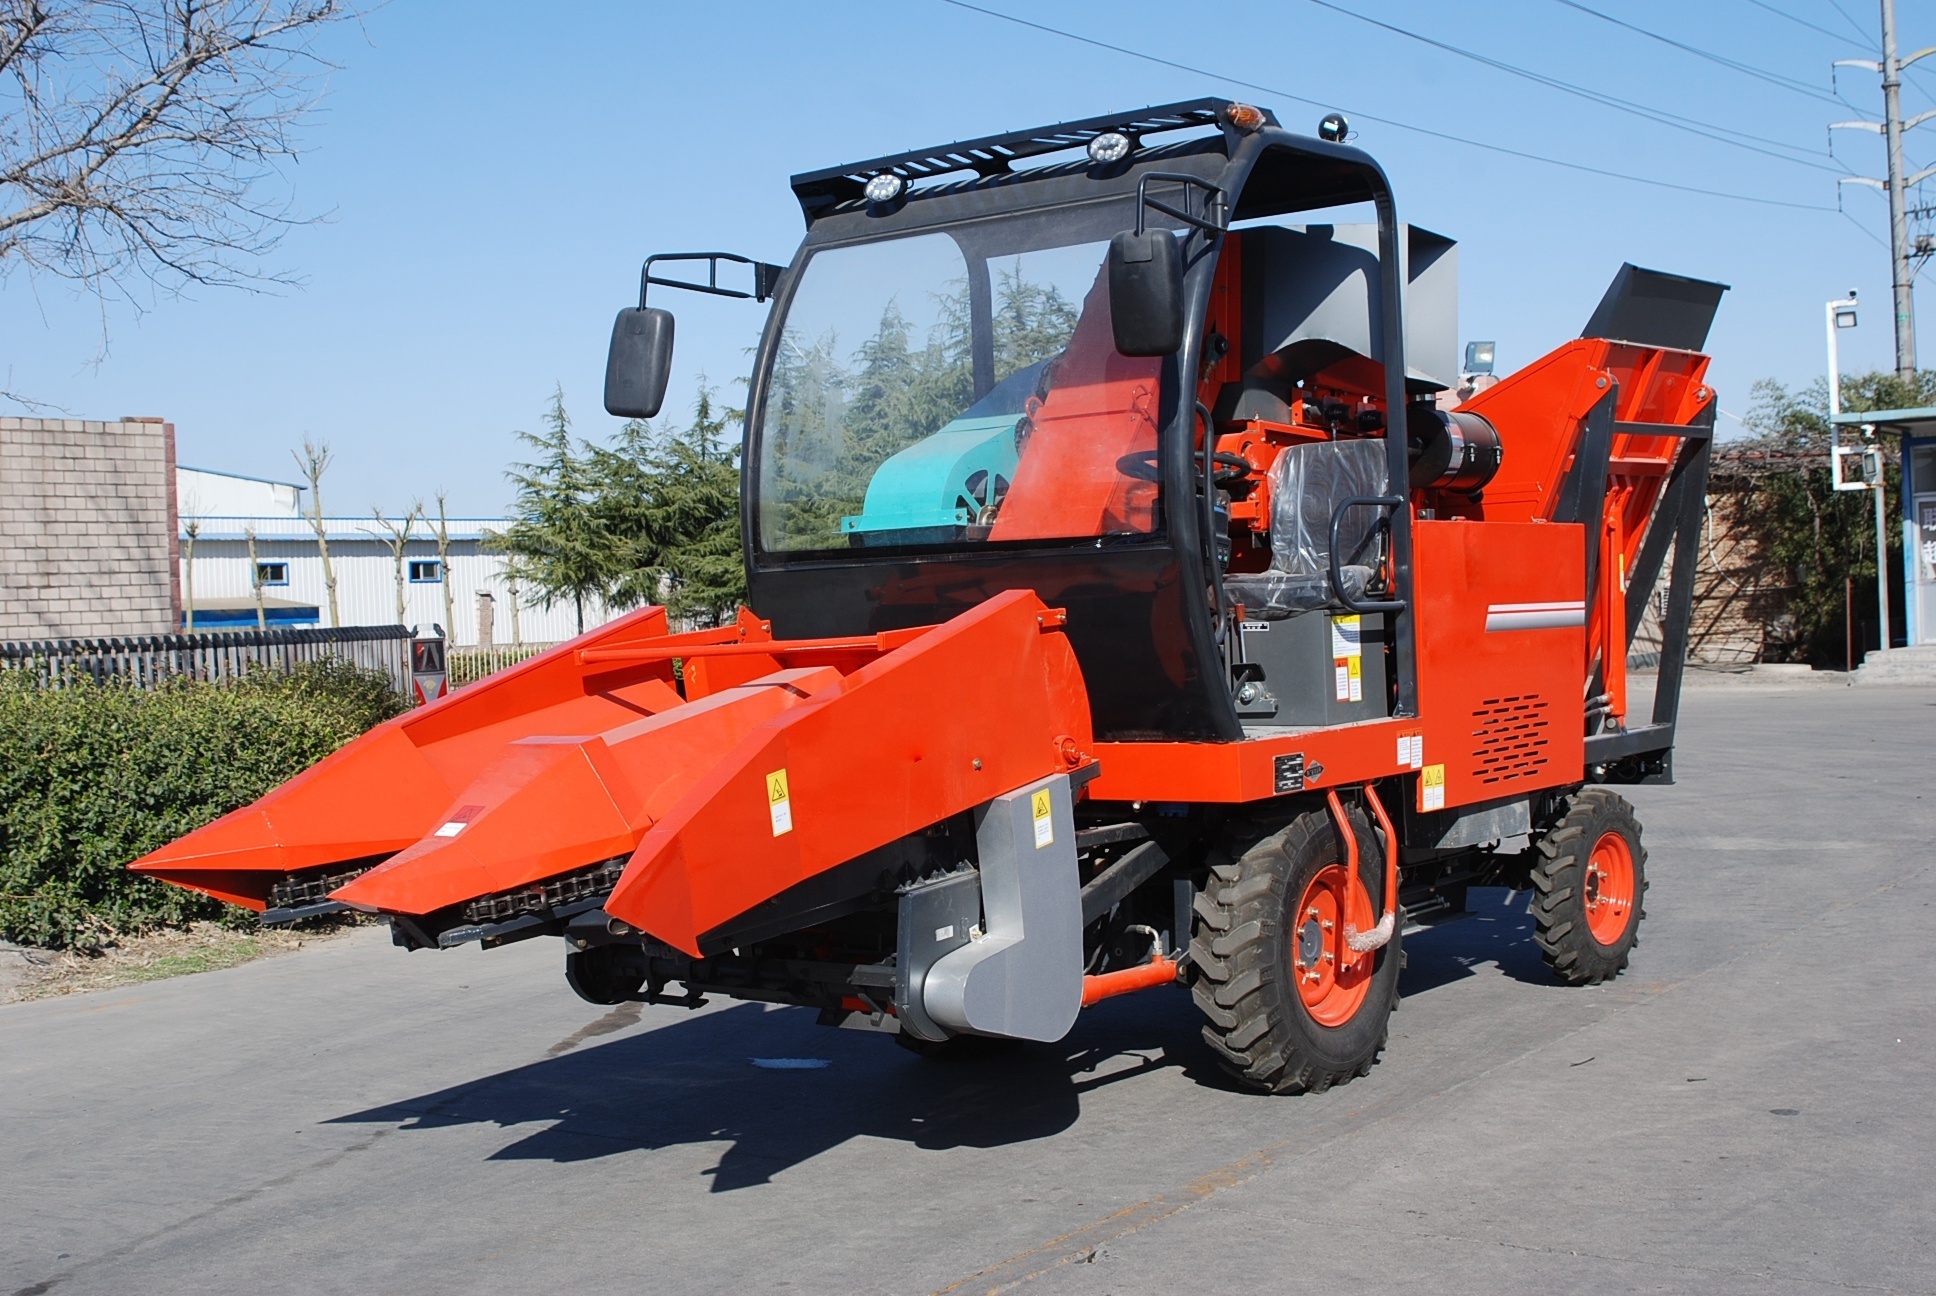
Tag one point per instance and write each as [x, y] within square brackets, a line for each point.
[1654, 308]
[1146, 292]
[639, 362]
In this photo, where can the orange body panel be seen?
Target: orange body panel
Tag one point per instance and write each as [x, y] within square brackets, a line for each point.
[555, 803]
[386, 790]
[1499, 686]
[1540, 412]
[982, 705]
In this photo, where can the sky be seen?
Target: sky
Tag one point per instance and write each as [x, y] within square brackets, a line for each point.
[488, 178]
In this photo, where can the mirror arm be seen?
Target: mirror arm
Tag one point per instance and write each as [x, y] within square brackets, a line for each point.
[765, 276]
[1212, 222]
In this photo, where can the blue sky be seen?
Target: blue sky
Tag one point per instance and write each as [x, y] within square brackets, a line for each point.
[491, 176]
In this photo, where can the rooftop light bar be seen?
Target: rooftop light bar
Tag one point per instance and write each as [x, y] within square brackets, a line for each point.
[992, 155]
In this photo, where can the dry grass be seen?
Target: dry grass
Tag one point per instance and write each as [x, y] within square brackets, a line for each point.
[202, 947]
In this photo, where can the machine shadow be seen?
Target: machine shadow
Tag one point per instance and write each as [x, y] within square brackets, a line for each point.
[1496, 930]
[696, 1080]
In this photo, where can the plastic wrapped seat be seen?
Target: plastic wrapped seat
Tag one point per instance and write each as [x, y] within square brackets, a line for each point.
[1308, 483]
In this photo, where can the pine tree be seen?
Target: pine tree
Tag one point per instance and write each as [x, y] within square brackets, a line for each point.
[670, 501]
[557, 542]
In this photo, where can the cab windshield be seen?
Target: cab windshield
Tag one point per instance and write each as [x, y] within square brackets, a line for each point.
[957, 388]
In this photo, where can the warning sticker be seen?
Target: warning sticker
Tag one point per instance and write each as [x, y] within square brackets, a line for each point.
[778, 803]
[1345, 638]
[1347, 659]
[1431, 788]
[460, 819]
[1411, 750]
[1041, 808]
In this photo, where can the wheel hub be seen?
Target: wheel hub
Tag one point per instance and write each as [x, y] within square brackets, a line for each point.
[1332, 980]
[1310, 943]
[1609, 888]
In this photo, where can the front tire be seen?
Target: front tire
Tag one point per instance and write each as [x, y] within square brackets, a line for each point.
[604, 975]
[1287, 1006]
[1589, 879]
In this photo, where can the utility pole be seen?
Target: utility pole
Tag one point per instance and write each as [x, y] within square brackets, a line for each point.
[1901, 270]
[1904, 259]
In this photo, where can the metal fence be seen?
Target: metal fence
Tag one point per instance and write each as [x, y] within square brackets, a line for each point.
[469, 665]
[148, 660]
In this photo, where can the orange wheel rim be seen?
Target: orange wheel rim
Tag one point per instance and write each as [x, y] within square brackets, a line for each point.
[1609, 888]
[1332, 980]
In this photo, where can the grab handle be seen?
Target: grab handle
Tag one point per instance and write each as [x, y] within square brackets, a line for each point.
[1337, 573]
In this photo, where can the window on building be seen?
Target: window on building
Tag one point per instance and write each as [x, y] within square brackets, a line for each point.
[272, 573]
[426, 571]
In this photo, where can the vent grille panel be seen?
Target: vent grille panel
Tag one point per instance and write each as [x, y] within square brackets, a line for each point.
[1510, 738]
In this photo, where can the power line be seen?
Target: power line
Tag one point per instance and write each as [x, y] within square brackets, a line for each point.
[1384, 121]
[1705, 130]
[1877, 239]
[1772, 78]
[1860, 30]
[1802, 22]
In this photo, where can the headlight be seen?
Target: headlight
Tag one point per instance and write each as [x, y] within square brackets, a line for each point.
[1110, 146]
[885, 188]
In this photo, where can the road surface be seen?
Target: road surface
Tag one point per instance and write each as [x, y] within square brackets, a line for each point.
[1752, 1108]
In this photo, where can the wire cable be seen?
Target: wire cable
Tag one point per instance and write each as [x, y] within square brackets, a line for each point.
[1706, 130]
[1746, 69]
[1386, 121]
[1860, 30]
[1802, 22]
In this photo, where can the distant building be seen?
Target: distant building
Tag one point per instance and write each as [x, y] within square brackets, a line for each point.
[220, 510]
[102, 535]
[87, 528]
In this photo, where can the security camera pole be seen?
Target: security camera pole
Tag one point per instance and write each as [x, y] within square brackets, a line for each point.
[1841, 315]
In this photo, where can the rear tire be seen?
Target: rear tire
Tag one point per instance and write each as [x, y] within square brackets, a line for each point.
[1589, 879]
[1276, 1012]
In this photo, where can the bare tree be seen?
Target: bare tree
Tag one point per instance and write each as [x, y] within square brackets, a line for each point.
[145, 140]
[396, 535]
[191, 529]
[314, 461]
[442, 532]
[255, 579]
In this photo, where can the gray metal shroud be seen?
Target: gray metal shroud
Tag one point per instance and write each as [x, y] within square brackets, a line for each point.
[1023, 977]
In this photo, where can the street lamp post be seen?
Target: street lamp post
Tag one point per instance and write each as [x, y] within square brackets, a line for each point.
[1841, 315]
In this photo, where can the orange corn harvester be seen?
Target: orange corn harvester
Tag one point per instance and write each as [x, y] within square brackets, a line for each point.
[1141, 593]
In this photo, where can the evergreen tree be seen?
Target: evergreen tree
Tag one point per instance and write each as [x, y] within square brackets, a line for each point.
[1032, 322]
[670, 502]
[557, 543]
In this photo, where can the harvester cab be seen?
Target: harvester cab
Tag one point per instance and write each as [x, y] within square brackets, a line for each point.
[1131, 604]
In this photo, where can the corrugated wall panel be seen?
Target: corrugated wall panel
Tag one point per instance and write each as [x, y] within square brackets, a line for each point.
[366, 587]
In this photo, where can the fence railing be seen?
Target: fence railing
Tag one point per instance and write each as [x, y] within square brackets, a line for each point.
[469, 665]
[148, 660]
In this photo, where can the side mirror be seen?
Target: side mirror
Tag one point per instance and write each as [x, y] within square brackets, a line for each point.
[639, 363]
[1146, 292]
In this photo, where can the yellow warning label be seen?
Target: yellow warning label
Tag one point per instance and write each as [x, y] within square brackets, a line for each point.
[1042, 809]
[778, 802]
[1431, 788]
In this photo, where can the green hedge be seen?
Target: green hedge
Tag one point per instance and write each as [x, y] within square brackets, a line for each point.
[94, 776]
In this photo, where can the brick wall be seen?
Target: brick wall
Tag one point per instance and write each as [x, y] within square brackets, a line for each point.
[87, 528]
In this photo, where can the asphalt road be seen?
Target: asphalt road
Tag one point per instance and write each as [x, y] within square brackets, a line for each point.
[1752, 1108]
